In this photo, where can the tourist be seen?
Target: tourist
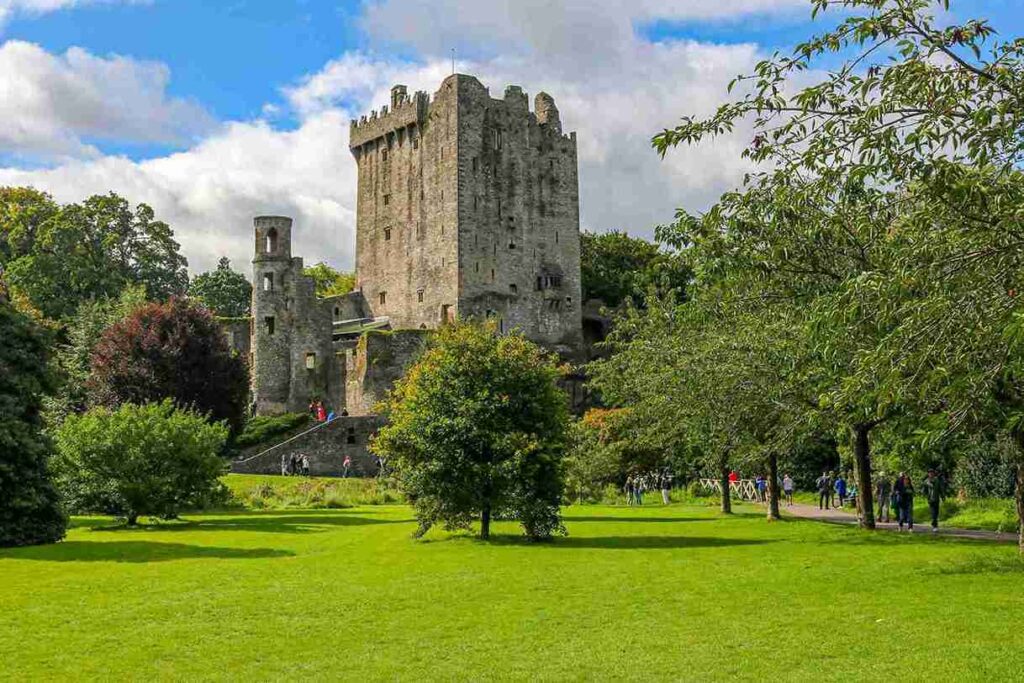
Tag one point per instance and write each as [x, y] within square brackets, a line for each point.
[760, 486]
[628, 489]
[305, 465]
[734, 477]
[284, 464]
[904, 492]
[787, 489]
[934, 491]
[666, 487]
[840, 488]
[883, 490]
[293, 464]
[824, 484]
[346, 466]
[321, 412]
[638, 490]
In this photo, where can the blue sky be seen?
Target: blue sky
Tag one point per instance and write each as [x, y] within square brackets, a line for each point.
[212, 111]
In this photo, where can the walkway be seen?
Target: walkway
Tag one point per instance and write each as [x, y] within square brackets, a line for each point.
[841, 516]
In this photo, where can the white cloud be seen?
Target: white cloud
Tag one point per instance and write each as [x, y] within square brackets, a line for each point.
[613, 87]
[210, 193]
[9, 8]
[53, 105]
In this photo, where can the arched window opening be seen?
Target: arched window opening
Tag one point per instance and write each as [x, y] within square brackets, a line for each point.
[270, 245]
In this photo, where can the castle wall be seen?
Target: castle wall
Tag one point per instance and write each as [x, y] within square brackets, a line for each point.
[406, 251]
[293, 358]
[376, 363]
[326, 447]
[519, 216]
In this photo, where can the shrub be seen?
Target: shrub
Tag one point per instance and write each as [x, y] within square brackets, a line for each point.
[171, 351]
[151, 460]
[265, 427]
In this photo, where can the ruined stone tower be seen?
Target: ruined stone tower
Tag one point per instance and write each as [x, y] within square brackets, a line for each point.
[469, 206]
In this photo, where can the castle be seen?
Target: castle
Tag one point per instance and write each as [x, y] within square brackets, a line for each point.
[467, 207]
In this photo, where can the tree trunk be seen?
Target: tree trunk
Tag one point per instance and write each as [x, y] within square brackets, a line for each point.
[773, 486]
[862, 467]
[1019, 495]
[724, 483]
[133, 519]
[485, 521]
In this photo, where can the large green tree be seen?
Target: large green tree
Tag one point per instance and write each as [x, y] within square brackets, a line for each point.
[224, 291]
[30, 510]
[615, 267]
[59, 256]
[330, 282]
[477, 429]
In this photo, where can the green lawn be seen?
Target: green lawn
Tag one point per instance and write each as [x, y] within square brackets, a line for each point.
[656, 593]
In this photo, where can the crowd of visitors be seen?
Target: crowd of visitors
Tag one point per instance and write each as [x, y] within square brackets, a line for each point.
[638, 484]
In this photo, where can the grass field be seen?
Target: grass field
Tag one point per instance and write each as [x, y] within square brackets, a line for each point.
[656, 593]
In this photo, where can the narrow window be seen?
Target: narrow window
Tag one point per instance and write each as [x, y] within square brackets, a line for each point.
[513, 289]
[268, 325]
[384, 155]
[387, 199]
[310, 361]
[492, 274]
[511, 245]
[383, 297]
[419, 295]
[474, 164]
[478, 266]
[387, 234]
[556, 237]
[476, 202]
[337, 312]
[351, 436]
[270, 244]
[268, 282]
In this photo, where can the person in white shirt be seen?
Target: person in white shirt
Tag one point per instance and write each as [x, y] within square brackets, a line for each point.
[787, 488]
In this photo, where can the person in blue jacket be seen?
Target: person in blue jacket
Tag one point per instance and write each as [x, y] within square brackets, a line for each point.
[841, 489]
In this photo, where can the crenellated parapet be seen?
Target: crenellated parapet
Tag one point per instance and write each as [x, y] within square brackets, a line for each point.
[404, 111]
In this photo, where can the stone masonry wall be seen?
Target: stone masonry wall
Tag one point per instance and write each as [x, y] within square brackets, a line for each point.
[379, 359]
[326, 447]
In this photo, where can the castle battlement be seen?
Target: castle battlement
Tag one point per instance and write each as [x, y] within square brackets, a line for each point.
[403, 112]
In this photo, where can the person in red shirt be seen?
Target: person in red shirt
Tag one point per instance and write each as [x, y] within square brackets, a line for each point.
[733, 477]
[321, 413]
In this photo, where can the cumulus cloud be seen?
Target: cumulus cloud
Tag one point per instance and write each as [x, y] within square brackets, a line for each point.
[53, 105]
[210, 193]
[613, 86]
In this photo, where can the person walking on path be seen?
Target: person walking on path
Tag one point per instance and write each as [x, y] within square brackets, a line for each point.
[787, 489]
[628, 488]
[666, 487]
[305, 465]
[346, 466]
[840, 488]
[904, 492]
[284, 464]
[824, 485]
[882, 492]
[934, 490]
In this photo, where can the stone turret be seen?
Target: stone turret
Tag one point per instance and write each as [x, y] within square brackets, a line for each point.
[270, 347]
[547, 112]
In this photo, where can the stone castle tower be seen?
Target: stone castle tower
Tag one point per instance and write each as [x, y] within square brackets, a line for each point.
[469, 206]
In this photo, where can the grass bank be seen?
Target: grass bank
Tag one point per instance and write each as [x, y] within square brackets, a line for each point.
[263, 492]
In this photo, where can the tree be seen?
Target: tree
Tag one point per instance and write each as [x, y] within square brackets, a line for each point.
[153, 460]
[175, 351]
[477, 429]
[885, 206]
[595, 455]
[615, 266]
[71, 361]
[224, 291]
[59, 256]
[330, 282]
[30, 511]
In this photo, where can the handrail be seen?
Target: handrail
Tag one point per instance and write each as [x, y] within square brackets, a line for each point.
[286, 441]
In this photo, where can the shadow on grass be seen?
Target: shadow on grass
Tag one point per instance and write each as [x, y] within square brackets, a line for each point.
[984, 564]
[608, 518]
[276, 522]
[630, 542]
[135, 552]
